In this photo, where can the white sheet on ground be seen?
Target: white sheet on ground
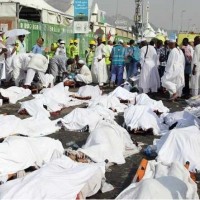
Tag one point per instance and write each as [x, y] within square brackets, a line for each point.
[142, 117]
[15, 93]
[89, 91]
[162, 181]
[60, 179]
[194, 101]
[182, 118]
[18, 153]
[184, 146]
[54, 99]
[193, 110]
[108, 141]
[124, 94]
[81, 117]
[144, 99]
[109, 102]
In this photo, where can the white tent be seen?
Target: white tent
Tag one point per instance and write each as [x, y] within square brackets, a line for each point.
[9, 8]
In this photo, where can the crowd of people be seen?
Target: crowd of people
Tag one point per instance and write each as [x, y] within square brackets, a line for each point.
[159, 65]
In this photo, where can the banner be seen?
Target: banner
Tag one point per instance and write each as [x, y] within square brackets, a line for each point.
[81, 18]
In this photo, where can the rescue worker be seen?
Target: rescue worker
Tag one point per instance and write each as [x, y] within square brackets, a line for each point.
[68, 49]
[89, 53]
[74, 51]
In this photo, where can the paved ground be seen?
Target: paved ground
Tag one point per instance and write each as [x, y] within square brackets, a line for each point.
[121, 175]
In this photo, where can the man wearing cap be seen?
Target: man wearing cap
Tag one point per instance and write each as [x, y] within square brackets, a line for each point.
[118, 63]
[149, 77]
[173, 78]
[89, 53]
[21, 44]
[195, 82]
[99, 69]
[84, 76]
[61, 50]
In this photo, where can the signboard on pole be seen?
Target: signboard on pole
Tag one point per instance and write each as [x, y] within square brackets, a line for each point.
[81, 18]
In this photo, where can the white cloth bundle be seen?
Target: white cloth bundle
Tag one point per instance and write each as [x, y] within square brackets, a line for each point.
[15, 94]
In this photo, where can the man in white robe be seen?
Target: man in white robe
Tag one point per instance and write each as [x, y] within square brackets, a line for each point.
[173, 79]
[85, 75]
[19, 66]
[149, 77]
[99, 69]
[196, 68]
[38, 64]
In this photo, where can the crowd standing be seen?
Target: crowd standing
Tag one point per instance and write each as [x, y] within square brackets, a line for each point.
[159, 65]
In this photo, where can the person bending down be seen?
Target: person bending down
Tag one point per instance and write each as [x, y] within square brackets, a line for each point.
[38, 64]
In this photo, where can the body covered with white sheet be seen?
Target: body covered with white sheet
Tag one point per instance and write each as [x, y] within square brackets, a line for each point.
[162, 181]
[108, 141]
[60, 179]
[18, 153]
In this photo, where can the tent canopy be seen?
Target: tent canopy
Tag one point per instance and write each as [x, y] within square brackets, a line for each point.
[31, 9]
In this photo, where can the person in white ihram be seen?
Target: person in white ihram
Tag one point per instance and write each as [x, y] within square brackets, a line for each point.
[173, 79]
[85, 75]
[149, 78]
[195, 82]
[99, 69]
[38, 64]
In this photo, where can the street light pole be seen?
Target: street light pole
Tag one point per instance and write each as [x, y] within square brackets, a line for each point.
[189, 21]
[173, 15]
[183, 11]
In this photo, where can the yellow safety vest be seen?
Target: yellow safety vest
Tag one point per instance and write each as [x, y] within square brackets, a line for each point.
[107, 56]
[89, 57]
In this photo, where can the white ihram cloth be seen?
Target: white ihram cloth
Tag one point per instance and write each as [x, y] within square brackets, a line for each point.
[62, 178]
[54, 98]
[149, 77]
[99, 69]
[38, 64]
[109, 102]
[142, 117]
[18, 153]
[108, 141]
[173, 79]
[124, 94]
[89, 91]
[19, 66]
[195, 81]
[144, 99]
[85, 75]
[15, 94]
[184, 146]
[183, 119]
[32, 127]
[162, 181]
[81, 117]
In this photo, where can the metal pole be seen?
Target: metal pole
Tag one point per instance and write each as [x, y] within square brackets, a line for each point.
[142, 17]
[189, 21]
[183, 11]
[173, 15]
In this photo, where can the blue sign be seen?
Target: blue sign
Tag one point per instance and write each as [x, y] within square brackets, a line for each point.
[80, 10]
